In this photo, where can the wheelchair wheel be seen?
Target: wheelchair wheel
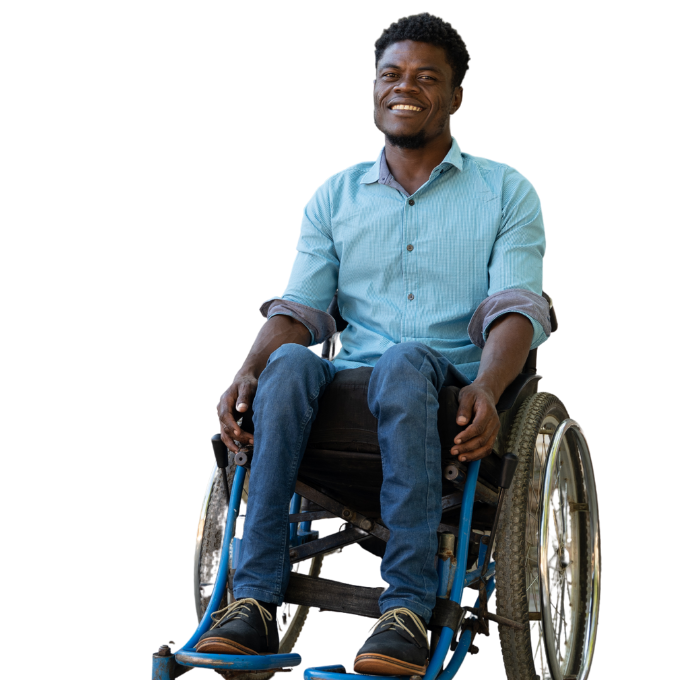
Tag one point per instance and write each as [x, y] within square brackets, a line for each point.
[291, 618]
[556, 644]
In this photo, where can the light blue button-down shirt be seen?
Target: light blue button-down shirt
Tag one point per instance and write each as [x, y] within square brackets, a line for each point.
[419, 267]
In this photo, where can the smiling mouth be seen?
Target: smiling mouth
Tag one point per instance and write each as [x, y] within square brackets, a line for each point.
[405, 107]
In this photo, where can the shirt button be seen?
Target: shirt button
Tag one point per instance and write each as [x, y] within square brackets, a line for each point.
[409, 247]
[410, 296]
[411, 201]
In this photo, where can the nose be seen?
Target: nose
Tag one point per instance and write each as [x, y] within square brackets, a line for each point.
[407, 83]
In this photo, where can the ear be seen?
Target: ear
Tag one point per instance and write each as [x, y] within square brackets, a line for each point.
[456, 100]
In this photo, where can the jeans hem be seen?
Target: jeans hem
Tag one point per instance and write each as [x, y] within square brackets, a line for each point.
[258, 594]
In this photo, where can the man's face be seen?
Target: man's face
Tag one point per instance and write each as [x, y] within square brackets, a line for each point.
[413, 93]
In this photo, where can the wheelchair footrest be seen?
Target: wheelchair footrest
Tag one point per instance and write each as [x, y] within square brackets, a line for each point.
[321, 672]
[237, 662]
[339, 673]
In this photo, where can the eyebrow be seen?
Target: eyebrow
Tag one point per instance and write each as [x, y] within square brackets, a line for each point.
[420, 68]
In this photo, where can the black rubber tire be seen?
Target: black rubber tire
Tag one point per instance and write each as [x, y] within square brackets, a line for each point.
[511, 550]
[213, 536]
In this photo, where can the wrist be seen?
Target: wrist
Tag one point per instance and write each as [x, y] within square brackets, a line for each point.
[249, 370]
[490, 387]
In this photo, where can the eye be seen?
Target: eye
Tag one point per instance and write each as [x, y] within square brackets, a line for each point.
[389, 75]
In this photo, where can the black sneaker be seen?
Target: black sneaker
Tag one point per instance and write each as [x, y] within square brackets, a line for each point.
[398, 645]
[244, 627]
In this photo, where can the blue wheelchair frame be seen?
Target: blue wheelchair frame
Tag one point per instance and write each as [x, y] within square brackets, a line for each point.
[167, 666]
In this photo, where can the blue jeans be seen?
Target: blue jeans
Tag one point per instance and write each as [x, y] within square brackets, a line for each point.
[403, 395]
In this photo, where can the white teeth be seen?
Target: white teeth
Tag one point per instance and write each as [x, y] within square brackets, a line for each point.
[406, 107]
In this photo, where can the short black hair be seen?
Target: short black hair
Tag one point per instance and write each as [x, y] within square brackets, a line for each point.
[428, 29]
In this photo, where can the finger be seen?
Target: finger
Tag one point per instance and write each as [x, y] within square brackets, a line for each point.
[246, 437]
[465, 407]
[484, 419]
[225, 414]
[473, 430]
[480, 453]
[472, 445]
[228, 441]
[489, 431]
[242, 435]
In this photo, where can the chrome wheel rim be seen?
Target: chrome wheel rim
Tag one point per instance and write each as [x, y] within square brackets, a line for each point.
[559, 556]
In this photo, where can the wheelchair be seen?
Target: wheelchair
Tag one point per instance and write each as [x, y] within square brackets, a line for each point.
[522, 523]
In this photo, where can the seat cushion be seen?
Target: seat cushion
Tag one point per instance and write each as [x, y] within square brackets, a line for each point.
[345, 423]
[343, 455]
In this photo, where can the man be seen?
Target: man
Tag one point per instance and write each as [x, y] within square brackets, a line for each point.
[437, 259]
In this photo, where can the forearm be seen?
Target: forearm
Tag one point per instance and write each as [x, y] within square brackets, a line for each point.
[278, 330]
[504, 354]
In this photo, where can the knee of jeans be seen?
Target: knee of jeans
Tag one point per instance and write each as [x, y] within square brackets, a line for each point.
[293, 356]
[410, 352]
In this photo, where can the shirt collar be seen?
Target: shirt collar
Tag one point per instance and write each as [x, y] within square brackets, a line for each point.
[453, 158]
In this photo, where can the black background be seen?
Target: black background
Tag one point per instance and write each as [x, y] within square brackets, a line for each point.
[238, 121]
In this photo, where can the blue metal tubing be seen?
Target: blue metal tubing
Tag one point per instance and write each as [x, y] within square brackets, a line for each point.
[294, 509]
[472, 576]
[464, 530]
[162, 667]
[444, 572]
[237, 662]
[188, 656]
[464, 643]
[319, 674]
[325, 673]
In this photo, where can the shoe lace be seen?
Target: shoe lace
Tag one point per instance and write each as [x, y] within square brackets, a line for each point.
[393, 621]
[237, 609]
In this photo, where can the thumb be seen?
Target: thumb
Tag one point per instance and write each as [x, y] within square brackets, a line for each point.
[464, 415]
[245, 397]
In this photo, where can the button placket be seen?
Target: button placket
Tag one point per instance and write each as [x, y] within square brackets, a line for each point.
[410, 268]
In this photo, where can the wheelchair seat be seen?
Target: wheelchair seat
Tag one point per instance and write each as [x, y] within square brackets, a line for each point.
[343, 453]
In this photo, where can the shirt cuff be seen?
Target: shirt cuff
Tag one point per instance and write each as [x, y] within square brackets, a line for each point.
[320, 324]
[518, 301]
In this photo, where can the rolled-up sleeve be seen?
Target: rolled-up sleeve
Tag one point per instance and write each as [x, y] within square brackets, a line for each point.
[516, 264]
[516, 301]
[314, 278]
[320, 325]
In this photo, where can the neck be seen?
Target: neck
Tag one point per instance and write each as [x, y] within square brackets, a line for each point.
[412, 167]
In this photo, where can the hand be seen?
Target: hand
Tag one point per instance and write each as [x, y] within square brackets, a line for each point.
[233, 404]
[477, 406]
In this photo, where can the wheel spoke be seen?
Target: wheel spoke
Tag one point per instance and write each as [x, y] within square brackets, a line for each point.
[558, 532]
[538, 644]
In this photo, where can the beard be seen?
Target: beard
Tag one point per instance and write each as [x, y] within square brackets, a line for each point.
[420, 138]
[416, 141]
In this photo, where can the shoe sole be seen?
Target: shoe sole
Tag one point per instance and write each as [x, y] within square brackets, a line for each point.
[218, 645]
[377, 664]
